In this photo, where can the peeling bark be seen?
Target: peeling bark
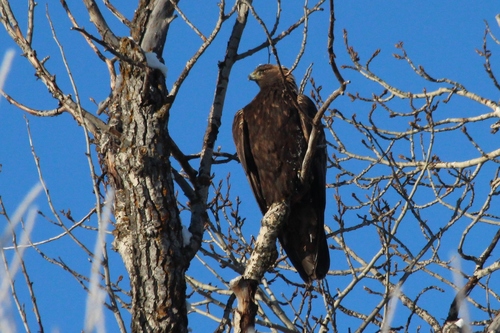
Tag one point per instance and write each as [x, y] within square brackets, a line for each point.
[244, 314]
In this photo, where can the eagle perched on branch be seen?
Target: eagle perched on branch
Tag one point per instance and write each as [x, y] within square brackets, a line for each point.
[271, 135]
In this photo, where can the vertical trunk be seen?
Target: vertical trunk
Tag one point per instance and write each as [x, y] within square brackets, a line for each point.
[148, 231]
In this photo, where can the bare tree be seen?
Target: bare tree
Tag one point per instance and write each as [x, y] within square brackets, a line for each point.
[393, 178]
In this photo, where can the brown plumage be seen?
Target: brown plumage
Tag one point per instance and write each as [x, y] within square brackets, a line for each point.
[271, 137]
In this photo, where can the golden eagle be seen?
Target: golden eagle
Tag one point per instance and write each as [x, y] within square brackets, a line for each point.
[271, 136]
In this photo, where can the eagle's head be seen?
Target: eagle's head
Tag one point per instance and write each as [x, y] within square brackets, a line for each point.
[270, 76]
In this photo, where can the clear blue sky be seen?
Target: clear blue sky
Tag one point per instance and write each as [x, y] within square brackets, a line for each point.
[440, 35]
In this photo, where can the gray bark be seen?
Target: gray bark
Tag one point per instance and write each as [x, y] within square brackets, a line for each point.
[148, 231]
[264, 256]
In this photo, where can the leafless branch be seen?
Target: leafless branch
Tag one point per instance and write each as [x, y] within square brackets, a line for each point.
[101, 24]
[212, 130]
[115, 12]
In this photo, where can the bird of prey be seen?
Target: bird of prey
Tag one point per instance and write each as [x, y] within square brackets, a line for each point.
[271, 135]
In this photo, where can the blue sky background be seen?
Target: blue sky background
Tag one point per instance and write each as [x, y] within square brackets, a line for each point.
[440, 35]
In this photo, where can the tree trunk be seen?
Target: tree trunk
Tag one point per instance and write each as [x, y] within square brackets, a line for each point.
[136, 153]
[148, 232]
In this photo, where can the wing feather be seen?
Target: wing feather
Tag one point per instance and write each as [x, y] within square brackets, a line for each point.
[303, 238]
[241, 140]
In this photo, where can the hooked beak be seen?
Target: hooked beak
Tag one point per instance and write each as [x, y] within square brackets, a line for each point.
[253, 76]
